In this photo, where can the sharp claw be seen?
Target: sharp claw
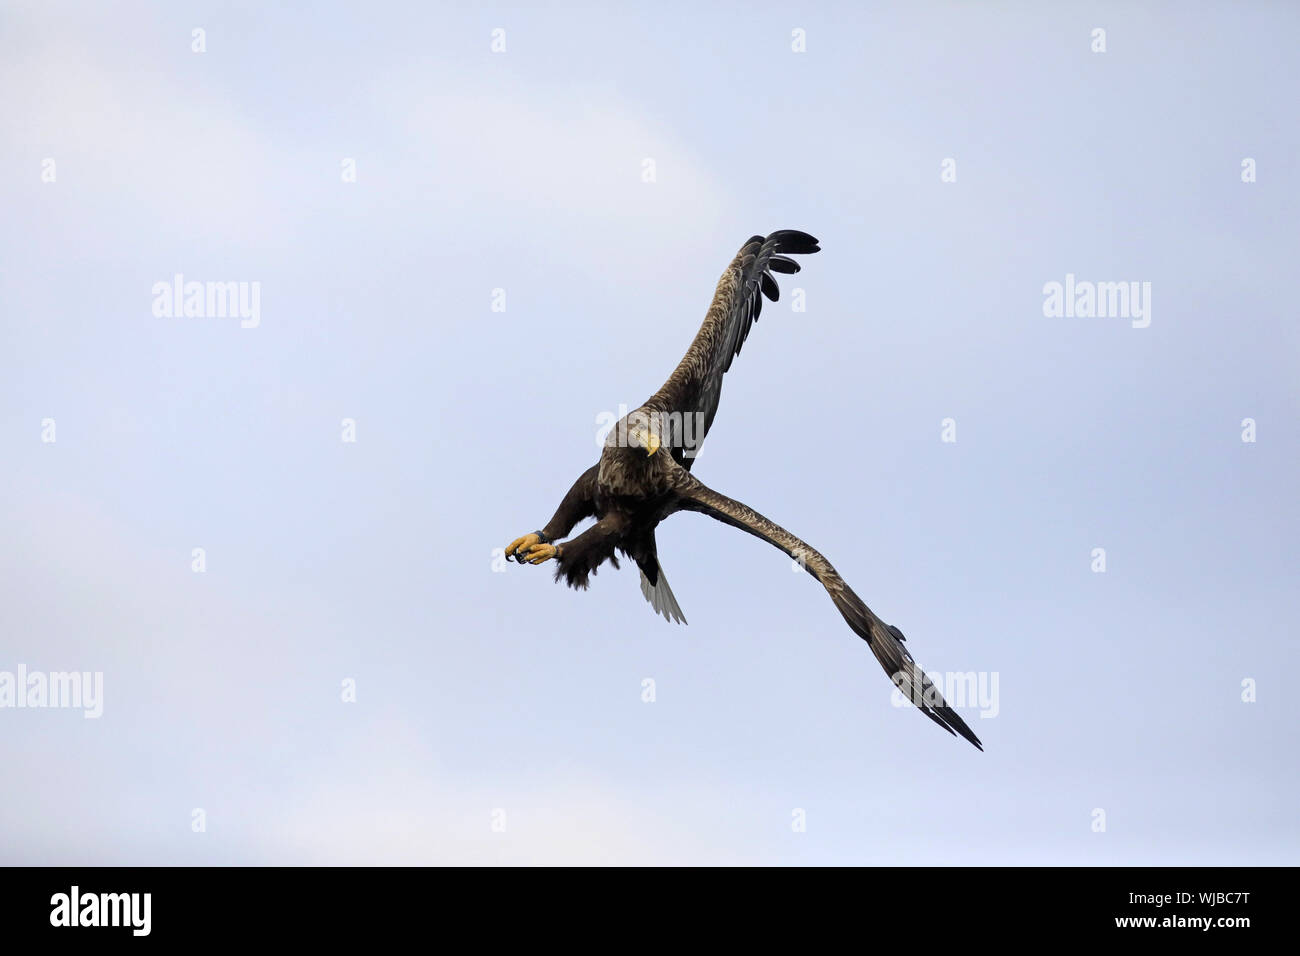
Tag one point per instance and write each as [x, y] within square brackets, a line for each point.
[516, 548]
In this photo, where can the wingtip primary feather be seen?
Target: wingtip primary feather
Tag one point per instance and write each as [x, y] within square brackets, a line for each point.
[794, 241]
[887, 643]
[955, 724]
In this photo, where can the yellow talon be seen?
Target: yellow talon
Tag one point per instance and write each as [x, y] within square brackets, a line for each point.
[521, 545]
[540, 553]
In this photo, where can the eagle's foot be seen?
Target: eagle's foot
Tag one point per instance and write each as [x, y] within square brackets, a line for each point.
[541, 553]
[517, 548]
[531, 548]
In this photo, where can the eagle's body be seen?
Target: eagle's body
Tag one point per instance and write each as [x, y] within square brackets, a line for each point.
[644, 475]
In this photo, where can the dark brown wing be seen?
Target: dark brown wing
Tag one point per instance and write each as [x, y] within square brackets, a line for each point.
[689, 399]
[885, 640]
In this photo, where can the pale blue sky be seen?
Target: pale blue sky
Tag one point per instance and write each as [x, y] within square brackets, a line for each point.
[523, 171]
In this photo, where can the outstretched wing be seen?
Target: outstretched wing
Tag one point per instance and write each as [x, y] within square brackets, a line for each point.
[886, 641]
[689, 399]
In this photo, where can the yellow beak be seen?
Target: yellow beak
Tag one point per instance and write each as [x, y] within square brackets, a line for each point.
[651, 443]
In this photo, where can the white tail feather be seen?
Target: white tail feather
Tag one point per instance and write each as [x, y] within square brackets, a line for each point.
[661, 597]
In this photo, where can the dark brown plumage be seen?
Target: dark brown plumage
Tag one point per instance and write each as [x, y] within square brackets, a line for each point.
[644, 475]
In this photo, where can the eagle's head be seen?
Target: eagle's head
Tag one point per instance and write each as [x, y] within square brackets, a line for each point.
[638, 429]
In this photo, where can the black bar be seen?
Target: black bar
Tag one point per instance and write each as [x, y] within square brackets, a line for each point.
[939, 906]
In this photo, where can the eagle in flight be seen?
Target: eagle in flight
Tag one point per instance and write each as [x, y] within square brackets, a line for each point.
[644, 475]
